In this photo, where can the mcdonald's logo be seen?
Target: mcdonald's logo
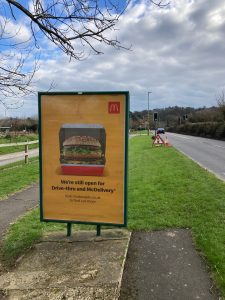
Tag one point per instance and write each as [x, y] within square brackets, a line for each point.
[114, 107]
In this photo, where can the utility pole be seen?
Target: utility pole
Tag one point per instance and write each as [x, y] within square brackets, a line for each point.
[148, 113]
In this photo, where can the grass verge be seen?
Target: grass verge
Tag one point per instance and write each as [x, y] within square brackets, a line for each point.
[16, 176]
[166, 190]
[17, 139]
[139, 132]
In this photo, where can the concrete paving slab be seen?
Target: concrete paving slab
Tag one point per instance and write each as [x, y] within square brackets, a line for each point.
[164, 265]
[79, 267]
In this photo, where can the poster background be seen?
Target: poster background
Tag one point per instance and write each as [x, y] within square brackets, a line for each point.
[93, 207]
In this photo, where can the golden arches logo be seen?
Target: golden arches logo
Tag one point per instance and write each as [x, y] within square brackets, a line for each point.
[114, 107]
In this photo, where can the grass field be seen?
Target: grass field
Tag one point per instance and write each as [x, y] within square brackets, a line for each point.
[139, 132]
[166, 190]
[17, 139]
[12, 138]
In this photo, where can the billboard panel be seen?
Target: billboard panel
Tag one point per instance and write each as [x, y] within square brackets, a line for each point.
[83, 151]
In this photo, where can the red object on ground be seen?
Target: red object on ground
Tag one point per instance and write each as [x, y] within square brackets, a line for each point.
[158, 141]
[83, 170]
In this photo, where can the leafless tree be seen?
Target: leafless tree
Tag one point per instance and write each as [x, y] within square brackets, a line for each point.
[74, 26]
[220, 98]
[15, 80]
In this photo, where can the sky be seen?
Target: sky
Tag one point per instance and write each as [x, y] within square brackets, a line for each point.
[177, 53]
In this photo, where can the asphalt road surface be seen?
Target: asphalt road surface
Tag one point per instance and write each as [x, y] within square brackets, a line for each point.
[13, 157]
[209, 153]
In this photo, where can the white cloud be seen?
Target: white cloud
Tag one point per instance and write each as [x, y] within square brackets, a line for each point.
[15, 31]
[177, 53]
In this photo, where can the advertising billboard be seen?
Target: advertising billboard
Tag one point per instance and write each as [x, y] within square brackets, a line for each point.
[83, 157]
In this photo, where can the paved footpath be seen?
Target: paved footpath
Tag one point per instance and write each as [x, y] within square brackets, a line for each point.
[164, 265]
[16, 205]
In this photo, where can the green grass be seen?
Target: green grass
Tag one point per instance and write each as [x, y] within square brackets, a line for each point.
[17, 139]
[11, 138]
[139, 132]
[16, 176]
[166, 190]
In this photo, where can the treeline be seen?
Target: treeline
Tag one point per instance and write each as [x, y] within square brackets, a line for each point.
[205, 122]
[19, 124]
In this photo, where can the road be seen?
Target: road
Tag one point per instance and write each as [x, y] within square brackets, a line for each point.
[208, 153]
[13, 157]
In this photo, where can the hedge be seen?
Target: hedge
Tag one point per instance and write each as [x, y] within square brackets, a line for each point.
[204, 129]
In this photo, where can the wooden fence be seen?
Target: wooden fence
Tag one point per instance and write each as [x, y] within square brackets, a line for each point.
[25, 144]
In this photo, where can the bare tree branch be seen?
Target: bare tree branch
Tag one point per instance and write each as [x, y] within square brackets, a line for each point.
[74, 26]
[14, 80]
[66, 21]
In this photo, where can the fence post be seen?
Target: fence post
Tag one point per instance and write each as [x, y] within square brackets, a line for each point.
[26, 154]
